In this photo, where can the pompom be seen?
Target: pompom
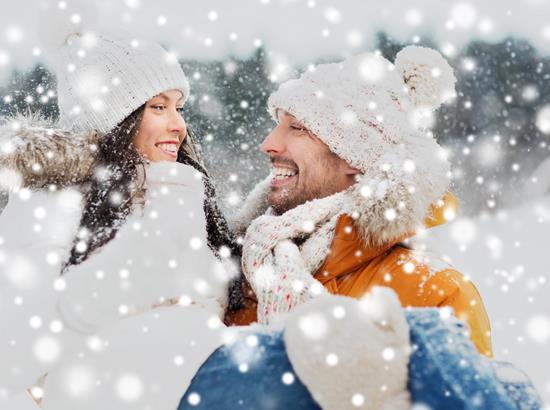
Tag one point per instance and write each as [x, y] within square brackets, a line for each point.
[58, 24]
[427, 75]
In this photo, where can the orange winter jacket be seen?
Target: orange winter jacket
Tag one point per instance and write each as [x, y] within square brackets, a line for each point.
[352, 269]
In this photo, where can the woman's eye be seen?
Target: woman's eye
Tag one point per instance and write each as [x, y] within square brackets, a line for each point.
[158, 107]
[180, 110]
[297, 128]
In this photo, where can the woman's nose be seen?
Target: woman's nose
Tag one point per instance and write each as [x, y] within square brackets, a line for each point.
[177, 125]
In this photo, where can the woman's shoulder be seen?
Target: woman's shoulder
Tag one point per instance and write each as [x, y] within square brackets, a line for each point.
[31, 217]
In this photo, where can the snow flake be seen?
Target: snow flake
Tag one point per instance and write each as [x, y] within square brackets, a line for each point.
[179, 360]
[252, 340]
[35, 322]
[21, 272]
[390, 214]
[194, 399]
[47, 349]
[214, 322]
[538, 329]
[288, 378]
[56, 326]
[313, 326]
[76, 18]
[339, 312]
[445, 312]
[333, 15]
[372, 69]
[354, 38]
[213, 15]
[123, 310]
[388, 354]
[543, 119]
[331, 359]
[358, 400]
[129, 387]
[161, 20]
[409, 267]
[463, 15]
[132, 4]
[414, 17]
[195, 243]
[468, 64]
[95, 343]
[81, 246]
[185, 300]
[14, 34]
[37, 392]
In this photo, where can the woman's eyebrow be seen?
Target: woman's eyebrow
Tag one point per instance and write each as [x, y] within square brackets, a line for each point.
[168, 98]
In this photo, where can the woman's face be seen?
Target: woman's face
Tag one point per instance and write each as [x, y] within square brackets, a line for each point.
[162, 129]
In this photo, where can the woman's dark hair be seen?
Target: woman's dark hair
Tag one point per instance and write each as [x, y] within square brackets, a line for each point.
[217, 229]
[113, 186]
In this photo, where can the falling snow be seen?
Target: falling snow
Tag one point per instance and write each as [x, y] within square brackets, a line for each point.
[495, 131]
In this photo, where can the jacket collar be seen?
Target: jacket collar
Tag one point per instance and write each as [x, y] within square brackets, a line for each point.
[349, 252]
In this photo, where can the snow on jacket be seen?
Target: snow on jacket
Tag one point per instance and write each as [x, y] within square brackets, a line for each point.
[366, 250]
[159, 257]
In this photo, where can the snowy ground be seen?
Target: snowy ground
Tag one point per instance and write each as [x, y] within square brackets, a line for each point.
[507, 256]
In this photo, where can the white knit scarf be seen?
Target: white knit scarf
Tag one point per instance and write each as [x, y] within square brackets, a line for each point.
[385, 203]
[279, 271]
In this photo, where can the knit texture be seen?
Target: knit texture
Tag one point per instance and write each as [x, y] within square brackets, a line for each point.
[363, 107]
[278, 270]
[101, 81]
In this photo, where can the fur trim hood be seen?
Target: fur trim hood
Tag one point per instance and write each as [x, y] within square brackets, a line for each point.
[35, 154]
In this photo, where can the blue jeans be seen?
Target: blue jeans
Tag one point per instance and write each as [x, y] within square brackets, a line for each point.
[445, 372]
[223, 384]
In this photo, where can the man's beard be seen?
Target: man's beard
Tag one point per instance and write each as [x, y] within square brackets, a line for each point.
[308, 187]
[289, 198]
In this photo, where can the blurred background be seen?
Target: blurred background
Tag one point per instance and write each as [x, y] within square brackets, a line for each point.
[496, 130]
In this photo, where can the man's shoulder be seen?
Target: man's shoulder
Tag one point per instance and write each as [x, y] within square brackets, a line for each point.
[421, 278]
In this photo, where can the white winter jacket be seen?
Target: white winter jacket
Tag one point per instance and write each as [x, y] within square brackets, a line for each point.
[159, 256]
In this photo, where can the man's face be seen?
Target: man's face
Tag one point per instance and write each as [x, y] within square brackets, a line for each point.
[303, 166]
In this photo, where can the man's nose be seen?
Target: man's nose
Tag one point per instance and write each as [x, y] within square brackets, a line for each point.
[273, 143]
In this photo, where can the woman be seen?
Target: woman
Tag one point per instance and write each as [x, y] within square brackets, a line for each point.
[108, 220]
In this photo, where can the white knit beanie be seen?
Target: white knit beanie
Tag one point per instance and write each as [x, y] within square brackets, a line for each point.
[364, 108]
[100, 81]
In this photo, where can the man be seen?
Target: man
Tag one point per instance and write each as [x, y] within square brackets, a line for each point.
[353, 179]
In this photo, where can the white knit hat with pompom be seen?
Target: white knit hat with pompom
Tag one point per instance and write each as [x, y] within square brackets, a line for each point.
[362, 107]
